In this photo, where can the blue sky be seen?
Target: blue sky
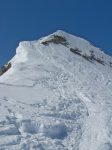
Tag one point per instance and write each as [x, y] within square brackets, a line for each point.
[31, 19]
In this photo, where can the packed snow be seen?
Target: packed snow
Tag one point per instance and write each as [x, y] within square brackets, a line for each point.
[57, 95]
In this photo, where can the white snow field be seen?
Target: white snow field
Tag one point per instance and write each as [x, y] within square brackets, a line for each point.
[57, 96]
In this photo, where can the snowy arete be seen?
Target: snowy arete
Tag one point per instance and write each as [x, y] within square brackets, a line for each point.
[56, 94]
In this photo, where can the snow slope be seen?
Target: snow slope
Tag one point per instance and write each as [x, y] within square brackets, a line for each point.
[57, 96]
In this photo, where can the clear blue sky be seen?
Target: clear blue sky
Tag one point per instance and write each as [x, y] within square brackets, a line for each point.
[31, 19]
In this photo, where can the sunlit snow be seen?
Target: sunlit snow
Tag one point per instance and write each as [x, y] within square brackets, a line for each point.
[53, 98]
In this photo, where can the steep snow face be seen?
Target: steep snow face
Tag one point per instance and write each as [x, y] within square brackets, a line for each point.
[57, 95]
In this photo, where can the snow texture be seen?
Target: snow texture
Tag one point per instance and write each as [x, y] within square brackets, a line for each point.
[57, 95]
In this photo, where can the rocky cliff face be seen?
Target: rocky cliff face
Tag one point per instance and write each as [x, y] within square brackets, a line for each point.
[5, 68]
[57, 95]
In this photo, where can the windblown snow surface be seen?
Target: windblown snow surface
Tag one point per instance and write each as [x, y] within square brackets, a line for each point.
[55, 99]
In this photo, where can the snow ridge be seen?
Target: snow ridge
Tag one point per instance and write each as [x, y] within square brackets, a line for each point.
[57, 96]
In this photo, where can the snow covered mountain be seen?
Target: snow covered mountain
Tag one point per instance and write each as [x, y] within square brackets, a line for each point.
[56, 95]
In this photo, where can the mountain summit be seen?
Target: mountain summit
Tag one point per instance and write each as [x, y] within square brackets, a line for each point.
[56, 94]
